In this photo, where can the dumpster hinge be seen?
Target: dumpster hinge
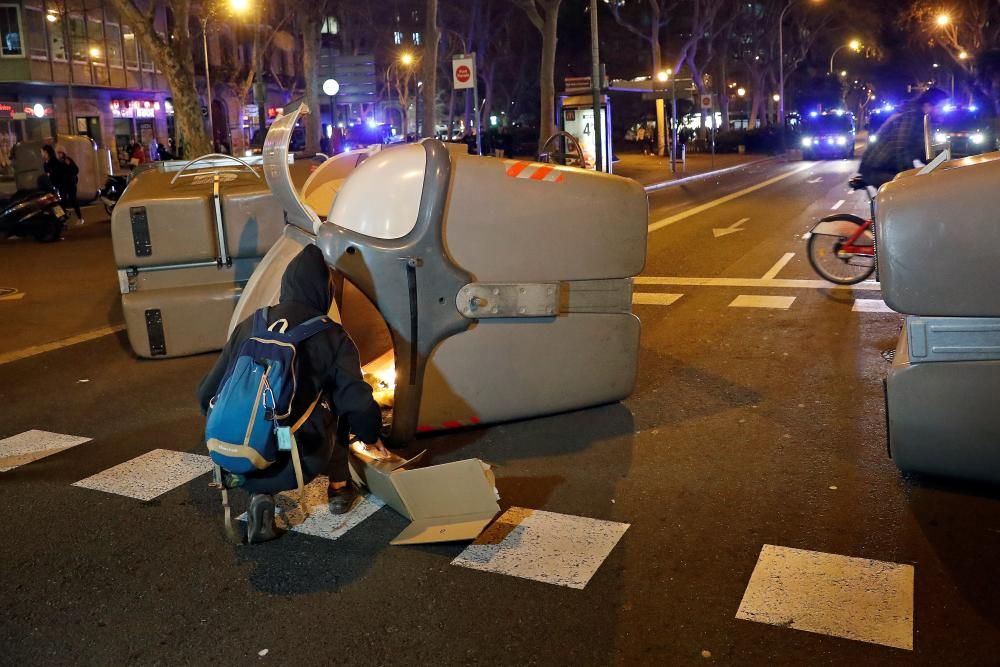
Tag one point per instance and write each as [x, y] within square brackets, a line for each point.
[486, 300]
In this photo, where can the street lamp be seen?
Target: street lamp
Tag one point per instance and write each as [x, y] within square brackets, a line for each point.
[781, 64]
[963, 55]
[406, 59]
[853, 45]
[943, 19]
[238, 7]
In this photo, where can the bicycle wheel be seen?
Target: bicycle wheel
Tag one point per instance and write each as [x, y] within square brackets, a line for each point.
[823, 251]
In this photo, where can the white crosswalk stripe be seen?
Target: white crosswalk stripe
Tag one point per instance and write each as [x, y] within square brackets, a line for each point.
[552, 548]
[33, 445]
[871, 306]
[150, 475]
[758, 301]
[855, 598]
[655, 298]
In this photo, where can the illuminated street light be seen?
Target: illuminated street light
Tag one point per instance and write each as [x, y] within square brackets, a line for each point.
[935, 65]
[239, 6]
[741, 91]
[855, 45]
[95, 52]
[943, 19]
[963, 55]
[663, 75]
[406, 59]
[843, 72]
[52, 16]
[776, 97]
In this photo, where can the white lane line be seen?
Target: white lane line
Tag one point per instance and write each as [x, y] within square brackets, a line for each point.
[655, 298]
[12, 297]
[854, 598]
[871, 306]
[150, 475]
[837, 205]
[317, 520]
[32, 445]
[34, 350]
[815, 180]
[758, 301]
[660, 224]
[750, 282]
[558, 549]
[778, 266]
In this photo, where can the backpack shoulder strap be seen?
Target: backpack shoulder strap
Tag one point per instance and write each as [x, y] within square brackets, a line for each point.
[259, 327]
[308, 329]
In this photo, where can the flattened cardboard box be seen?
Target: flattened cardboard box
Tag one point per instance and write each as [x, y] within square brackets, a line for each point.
[444, 503]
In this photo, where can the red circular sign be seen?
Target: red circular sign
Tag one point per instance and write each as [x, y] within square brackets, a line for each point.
[462, 73]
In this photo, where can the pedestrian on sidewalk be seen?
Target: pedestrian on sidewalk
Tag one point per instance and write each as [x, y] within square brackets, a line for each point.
[63, 175]
[328, 367]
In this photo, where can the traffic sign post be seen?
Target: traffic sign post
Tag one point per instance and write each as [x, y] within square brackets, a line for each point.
[706, 105]
[463, 77]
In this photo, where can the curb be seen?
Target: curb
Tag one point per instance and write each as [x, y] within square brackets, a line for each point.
[707, 174]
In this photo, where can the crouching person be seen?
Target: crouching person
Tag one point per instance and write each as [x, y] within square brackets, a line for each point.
[275, 394]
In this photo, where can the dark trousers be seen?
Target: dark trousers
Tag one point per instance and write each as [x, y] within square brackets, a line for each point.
[324, 456]
[68, 194]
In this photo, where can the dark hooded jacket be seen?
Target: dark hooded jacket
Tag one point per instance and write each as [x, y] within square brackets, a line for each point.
[327, 362]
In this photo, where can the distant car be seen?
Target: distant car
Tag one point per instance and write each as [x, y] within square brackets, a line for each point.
[967, 129]
[828, 135]
[296, 143]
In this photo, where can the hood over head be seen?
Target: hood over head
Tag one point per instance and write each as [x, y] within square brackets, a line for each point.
[307, 280]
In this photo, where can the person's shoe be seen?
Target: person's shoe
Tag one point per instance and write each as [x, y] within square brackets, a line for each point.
[342, 500]
[260, 519]
[79, 221]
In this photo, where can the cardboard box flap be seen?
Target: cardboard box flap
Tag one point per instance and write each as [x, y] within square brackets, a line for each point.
[376, 473]
[453, 489]
[445, 529]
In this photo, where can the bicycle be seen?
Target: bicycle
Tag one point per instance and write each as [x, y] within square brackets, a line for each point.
[841, 247]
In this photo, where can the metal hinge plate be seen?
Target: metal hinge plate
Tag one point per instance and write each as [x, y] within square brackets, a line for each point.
[489, 300]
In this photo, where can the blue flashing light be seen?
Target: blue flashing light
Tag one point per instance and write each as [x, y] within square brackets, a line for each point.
[973, 107]
[948, 108]
[813, 114]
[372, 124]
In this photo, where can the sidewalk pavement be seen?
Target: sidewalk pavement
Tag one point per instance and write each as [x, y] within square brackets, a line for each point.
[654, 171]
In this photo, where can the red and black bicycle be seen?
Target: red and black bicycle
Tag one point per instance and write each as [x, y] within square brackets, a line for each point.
[841, 247]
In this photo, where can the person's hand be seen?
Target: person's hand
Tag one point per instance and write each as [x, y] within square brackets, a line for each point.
[381, 449]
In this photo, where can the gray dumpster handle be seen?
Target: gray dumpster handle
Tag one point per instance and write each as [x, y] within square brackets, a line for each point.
[214, 155]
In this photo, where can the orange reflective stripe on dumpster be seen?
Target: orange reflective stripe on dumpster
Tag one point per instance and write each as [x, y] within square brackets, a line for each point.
[535, 171]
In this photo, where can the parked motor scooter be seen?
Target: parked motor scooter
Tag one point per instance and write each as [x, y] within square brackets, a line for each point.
[37, 213]
[112, 191]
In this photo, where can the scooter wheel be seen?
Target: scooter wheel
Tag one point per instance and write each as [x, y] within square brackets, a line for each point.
[48, 230]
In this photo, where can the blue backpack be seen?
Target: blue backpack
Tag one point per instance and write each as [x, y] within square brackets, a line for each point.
[247, 420]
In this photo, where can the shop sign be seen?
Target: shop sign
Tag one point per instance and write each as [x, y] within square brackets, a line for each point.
[274, 112]
[134, 108]
[22, 110]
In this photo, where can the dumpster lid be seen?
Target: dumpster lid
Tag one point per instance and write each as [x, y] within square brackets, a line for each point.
[279, 179]
[444, 503]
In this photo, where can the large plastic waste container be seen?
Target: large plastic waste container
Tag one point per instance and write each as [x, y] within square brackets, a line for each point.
[505, 285]
[939, 263]
[186, 241]
[92, 163]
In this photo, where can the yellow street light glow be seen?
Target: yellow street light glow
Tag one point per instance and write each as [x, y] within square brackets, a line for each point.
[406, 59]
[855, 45]
[662, 75]
[741, 91]
[963, 55]
[776, 97]
[943, 20]
[843, 72]
[51, 17]
[95, 52]
[239, 6]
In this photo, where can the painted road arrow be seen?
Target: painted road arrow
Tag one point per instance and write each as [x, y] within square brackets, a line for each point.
[731, 229]
[815, 180]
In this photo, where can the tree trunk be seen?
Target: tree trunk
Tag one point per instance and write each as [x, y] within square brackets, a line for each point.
[755, 105]
[657, 61]
[176, 60]
[310, 61]
[547, 75]
[432, 37]
[721, 88]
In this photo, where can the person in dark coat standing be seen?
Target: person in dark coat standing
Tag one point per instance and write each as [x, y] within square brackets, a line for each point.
[328, 364]
[71, 174]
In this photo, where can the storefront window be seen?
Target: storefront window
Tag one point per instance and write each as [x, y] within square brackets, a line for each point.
[78, 39]
[114, 34]
[10, 32]
[34, 22]
[130, 47]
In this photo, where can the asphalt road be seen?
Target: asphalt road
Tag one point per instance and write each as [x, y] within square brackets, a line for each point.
[748, 427]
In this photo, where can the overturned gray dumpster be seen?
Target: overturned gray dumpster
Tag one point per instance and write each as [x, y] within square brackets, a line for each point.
[939, 263]
[504, 286]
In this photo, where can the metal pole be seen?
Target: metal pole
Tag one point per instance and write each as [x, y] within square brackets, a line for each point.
[208, 81]
[673, 123]
[781, 73]
[475, 106]
[835, 52]
[596, 88]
